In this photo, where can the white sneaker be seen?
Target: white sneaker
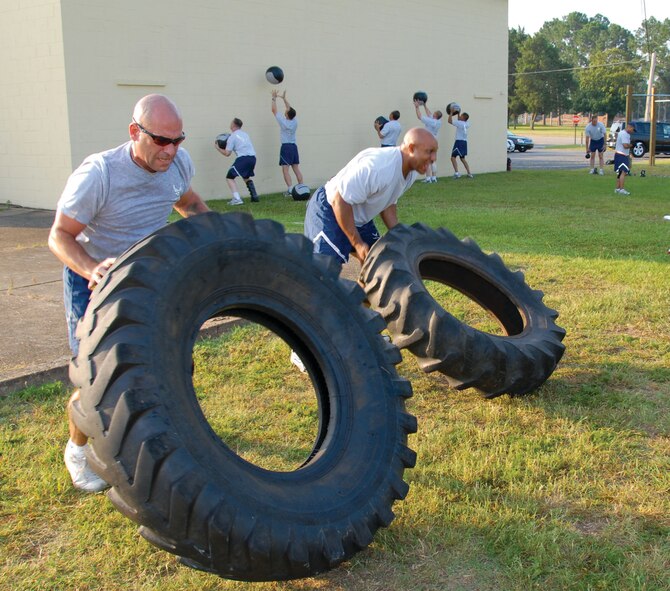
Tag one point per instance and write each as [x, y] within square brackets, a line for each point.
[433, 180]
[666, 217]
[83, 478]
[593, 171]
[624, 192]
[471, 176]
[427, 180]
[295, 360]
[457, 175]
[236, 201]
[601, 172]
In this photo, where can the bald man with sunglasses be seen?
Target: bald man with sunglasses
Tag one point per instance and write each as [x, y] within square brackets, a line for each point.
[111, 201]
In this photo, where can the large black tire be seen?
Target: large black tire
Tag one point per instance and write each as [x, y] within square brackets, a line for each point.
[516, 363]
[169, 470]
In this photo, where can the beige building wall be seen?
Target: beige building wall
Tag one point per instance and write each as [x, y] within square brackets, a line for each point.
[88, 61]
[34, 126]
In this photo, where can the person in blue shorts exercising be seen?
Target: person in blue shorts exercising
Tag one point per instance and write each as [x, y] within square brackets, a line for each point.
[340, 215]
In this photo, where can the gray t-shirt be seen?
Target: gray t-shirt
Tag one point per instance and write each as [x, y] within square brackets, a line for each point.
[390, 133]
[240, 143]
[595, 132]
[119, 202]
[432, 125]
[287, 129]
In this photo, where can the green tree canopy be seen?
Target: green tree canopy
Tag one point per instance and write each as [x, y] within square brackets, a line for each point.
[544, 82]
[654, 37]
[517, 37]
[602, 86]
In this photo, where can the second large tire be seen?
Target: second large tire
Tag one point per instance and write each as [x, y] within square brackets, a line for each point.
[169, 470]
[516, 363]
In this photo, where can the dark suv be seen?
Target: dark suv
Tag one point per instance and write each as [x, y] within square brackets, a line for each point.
[640, 137]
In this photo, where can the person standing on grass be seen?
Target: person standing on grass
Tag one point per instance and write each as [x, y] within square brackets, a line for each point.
[113, 200]
[432, 122]
[390, 133]
[288, 153]
[245, 161]
[460, 149]
[622, 158]
[595, 142]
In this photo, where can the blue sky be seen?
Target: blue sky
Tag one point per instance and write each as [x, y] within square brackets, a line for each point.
[532, 14]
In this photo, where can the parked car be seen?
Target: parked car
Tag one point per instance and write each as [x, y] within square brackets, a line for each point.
[640, 137]
[520, 143]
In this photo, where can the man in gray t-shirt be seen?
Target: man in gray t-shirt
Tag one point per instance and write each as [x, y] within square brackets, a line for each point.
[114, 199]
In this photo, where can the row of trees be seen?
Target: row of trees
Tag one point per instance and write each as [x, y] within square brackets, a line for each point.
[582, 64]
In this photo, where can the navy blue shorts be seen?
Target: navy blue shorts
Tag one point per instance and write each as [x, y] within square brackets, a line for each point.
[288, 155]
[597, 145]
[243, 166]
[460, 149]
[621, 163]
[322, 229]
[75, 296]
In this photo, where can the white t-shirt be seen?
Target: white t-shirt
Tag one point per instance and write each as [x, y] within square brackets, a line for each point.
[240, 143]
[370, 182]
[623, 137]
[432, 125]
[461, 129]
[390, 133]
[287, 129]
[595, 132]
[120, 202]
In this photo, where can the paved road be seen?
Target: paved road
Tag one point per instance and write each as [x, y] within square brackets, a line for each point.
[549, 158]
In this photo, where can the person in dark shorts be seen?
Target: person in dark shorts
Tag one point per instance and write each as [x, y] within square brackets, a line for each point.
[595, 133]
[340, 215]
[288, 153]
[622, 158]
[245, 161]
[460, 149]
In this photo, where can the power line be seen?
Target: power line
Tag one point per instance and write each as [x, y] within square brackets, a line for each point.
[577, 68]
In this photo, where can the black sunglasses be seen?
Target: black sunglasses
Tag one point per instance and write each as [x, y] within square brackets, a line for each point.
[161, 140]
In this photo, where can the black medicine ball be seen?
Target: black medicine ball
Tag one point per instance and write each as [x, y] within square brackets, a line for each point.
[222, 140]
[381, 120]
[421, 96]
[453, 109]
[274, 74]
[300, 192]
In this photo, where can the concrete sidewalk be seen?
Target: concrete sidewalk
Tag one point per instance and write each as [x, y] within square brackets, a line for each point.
[33, 347]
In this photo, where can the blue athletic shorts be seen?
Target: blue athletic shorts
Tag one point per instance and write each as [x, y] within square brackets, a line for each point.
[621, 163]
[288, 155]
[460, 149]
[243, 166]
[75, 296]
[322, 229]
[597, 145]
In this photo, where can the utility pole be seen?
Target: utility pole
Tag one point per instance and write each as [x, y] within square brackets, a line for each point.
[652, 128]
[650, 84]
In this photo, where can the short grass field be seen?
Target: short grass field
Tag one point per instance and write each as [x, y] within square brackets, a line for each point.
[565, 489]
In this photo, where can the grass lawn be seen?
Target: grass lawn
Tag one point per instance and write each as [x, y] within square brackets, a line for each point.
[568, 488]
